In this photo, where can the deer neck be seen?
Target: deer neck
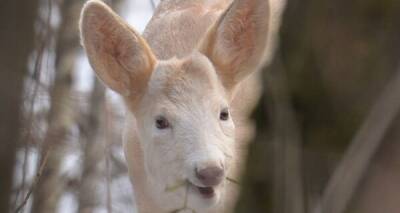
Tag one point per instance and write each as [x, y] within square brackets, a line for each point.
[134, 156]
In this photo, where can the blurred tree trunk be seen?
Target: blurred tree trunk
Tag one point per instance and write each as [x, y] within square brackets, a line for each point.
[381, 179]
[61, 116]
[275, 181]
[337, 56]
[16, 42]
[287, 144]
[94, 150]
[343, 183]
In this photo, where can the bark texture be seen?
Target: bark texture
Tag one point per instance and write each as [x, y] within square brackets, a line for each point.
[62, 114]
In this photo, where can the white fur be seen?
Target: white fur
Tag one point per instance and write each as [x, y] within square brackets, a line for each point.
[186, 68]
[197, 138]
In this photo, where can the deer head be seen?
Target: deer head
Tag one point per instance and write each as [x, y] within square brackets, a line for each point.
[181, 106]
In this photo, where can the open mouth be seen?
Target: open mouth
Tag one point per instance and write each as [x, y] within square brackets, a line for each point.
[205, 192]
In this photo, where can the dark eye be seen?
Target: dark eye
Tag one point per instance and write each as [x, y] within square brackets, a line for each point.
[224, 114]
[162, 122]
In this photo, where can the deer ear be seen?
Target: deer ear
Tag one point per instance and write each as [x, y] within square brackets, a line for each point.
[120, 57]
[237, 41]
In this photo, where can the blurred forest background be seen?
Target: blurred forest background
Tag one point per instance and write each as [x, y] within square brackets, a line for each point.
[327, 125]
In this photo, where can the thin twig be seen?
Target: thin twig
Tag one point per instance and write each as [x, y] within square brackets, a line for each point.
[37, 179]
[153, 5]
[108, 156]
[46, 35]
[24, 168]
[44, 38]
[186, 197]
[108, 179]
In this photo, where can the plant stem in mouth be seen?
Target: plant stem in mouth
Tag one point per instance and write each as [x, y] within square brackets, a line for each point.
[233, 181]
[175, 187]
[185, 202]
[186, 197]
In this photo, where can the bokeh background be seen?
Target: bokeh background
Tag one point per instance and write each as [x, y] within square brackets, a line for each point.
[327, 125]
[71, 125]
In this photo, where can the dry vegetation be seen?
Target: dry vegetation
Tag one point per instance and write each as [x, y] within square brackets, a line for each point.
[327, 124]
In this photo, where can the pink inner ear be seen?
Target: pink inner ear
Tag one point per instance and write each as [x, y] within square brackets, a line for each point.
[236, 38]
[108, 39]
[119, 55]
[123, 47]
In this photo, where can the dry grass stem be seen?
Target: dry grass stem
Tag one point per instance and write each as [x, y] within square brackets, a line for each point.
[175, 186]
[233, 181]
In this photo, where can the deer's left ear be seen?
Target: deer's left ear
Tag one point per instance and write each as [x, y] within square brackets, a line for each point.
[121, 57]
[237, 41]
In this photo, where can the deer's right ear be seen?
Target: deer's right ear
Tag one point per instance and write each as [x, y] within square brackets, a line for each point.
[237, 42]
[119, 55]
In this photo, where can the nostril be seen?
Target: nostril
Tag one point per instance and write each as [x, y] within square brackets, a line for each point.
[210, 176]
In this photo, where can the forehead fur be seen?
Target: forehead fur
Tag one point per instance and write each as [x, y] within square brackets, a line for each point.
[192, 76]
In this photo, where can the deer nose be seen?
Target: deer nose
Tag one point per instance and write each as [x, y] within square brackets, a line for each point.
[210, 176]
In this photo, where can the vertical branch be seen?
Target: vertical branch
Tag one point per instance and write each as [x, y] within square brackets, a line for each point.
[274, 179]
[108, 180]
[287, 144]
[61, 115]
[108, 153]
[31, 93]
[16, 42]
[42, 165]
[24, 168]
[94, 149]
[255, 195]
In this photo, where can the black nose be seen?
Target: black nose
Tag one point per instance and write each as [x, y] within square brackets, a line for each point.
[210, 176]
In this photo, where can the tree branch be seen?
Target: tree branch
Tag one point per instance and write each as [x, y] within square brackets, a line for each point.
[351, 169]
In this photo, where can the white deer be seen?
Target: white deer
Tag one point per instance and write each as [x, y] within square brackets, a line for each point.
[178, 82]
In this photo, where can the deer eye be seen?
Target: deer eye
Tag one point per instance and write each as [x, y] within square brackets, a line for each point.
[224, 114]
[162, 122]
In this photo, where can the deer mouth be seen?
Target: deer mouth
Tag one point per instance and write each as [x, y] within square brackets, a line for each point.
[206, 192]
